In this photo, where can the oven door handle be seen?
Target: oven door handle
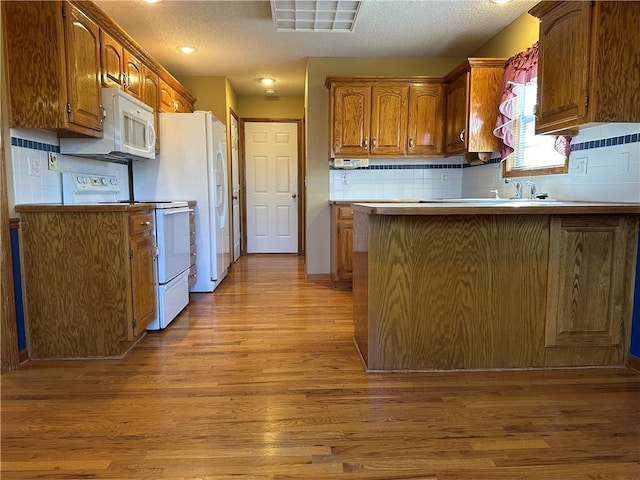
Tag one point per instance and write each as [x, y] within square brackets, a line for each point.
[174, 211]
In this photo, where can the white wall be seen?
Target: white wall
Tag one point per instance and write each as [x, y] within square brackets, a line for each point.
[608, 178]
[45, 186]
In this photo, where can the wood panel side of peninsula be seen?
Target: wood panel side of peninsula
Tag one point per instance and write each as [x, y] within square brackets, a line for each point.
[446, 292]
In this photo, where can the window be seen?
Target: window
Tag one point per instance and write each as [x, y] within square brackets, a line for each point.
[533, 154]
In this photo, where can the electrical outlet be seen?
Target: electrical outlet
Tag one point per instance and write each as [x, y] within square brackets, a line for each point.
[53, 161]
[444, 178]
[581, 166]
[623, 163]
[34, 166]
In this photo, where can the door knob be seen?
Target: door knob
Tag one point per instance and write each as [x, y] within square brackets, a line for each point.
[293, 195]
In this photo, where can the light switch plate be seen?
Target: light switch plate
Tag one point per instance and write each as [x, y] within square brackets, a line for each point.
[581, 166]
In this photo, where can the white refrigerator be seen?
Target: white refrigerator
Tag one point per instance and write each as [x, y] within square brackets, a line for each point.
[192, 165]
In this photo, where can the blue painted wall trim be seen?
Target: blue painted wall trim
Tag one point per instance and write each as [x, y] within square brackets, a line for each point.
[17, 285]
[635, 323]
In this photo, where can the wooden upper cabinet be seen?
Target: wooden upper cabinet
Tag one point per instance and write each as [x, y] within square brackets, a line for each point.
[172, 101]
[426, 119]
[457, 105]
[83, 69]
[351, 119]
[473, 97]
[388, 119]
[133, 74]
[112, 60]
[385, 116]
[61, 91]
[78, 50]
[585, 72]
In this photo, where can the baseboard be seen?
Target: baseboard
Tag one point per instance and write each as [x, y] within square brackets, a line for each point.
[23, 356]
[318, 277]
[633, 363]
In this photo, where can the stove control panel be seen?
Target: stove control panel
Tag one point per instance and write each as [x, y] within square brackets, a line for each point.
[78, 187]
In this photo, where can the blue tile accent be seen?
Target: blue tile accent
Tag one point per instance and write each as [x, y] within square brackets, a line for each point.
[606, 142]
[45, 147]
[391, 166]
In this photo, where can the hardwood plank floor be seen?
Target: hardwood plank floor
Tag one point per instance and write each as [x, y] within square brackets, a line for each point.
[261, 380]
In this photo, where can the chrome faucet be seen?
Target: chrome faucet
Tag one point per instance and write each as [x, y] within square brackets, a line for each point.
[517, 185]
[533, 190]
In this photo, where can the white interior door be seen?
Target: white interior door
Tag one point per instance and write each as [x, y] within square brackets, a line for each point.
[271, 152]
[235, 189]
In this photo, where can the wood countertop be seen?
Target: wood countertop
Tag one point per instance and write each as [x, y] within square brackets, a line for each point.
[96, 208]
[497, 207]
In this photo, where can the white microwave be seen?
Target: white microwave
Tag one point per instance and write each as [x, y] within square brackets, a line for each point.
[128, 131]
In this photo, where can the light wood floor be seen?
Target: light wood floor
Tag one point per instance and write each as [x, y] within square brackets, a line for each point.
[261, 381]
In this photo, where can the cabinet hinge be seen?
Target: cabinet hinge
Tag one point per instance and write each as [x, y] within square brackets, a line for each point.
[586, 101]
[134, 323]
[131, 253]
[69, 108]
[64, 12]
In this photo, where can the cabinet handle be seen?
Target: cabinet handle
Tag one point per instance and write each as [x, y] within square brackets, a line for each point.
[366, 143]
[411, 143]
[104, 113]
[193, 254]
[145, 223]
[373, 143]
[462, 136]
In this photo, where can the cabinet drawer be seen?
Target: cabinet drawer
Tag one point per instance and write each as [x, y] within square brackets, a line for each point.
[345, 213]
[140, 223]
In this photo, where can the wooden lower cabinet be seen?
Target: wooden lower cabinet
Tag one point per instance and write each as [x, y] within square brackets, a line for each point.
[341, 246]
[89, 279]
[587, 288]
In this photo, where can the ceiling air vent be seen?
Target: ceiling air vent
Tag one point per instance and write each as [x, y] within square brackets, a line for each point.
[314, 16]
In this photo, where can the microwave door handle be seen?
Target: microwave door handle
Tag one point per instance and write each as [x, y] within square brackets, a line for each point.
[152, 139]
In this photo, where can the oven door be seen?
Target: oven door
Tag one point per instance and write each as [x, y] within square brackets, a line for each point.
[172, 239]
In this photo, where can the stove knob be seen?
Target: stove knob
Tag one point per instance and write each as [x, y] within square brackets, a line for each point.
[103, 181]
[114, 181]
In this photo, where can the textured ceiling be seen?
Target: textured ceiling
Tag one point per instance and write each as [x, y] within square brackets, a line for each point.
[237, 38]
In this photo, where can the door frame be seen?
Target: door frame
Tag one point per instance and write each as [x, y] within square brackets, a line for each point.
[240, 174]
[302, 194]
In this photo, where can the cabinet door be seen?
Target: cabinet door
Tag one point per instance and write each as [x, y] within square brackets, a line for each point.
[143, 284]
[457, 114]
[180, 103]
[563, 66]
[112, 60]
[82, 51]
[345, 250]
[586, 284]
[425, 126]
[166, 98]
[133, 75]
[389, 119]
[351, 120]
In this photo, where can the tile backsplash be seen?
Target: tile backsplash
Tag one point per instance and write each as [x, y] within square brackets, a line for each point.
[610, 154]
[30, 179]
[398, 179]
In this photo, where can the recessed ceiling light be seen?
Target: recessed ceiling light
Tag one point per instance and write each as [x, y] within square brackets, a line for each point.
[152, 1]
[499, 2]
[267, 81]
[270, 91]
[187, 49]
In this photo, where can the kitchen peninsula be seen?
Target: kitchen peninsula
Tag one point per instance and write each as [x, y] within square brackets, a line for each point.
[493, 285]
